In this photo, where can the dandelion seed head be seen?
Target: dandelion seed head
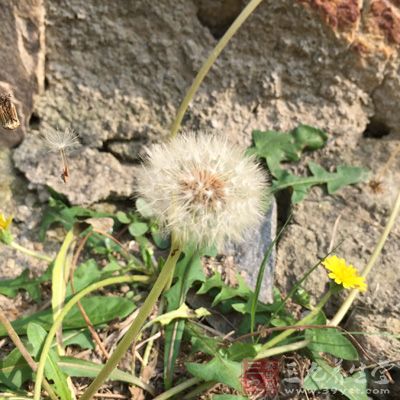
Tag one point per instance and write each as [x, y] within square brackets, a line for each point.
[203, 189]
[61, 139]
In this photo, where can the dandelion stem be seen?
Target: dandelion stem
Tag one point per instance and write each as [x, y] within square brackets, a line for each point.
[377, 251]
[65, 174]
[247, 11]
[30, 253]
[282, 349]
[178, 389]
[134, 329]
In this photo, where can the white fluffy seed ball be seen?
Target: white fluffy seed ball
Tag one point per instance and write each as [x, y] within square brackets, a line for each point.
[203, 189]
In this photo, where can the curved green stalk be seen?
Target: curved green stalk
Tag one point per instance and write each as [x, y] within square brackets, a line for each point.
[247, 11]
[57, 323]
[178, 389]
[134, 329]
[30, 253]
[282, 349]
[377, 251]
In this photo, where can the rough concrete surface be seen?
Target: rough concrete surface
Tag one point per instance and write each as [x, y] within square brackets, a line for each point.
[22, 55]
[116, 72]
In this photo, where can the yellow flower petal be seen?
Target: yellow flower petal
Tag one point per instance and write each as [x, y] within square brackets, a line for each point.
[4, 222]
[344, 274]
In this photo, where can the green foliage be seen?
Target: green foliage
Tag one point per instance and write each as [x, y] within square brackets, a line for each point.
[100, 309]
[188, 271]
[81, 338]
[88, 369]
[344, 175]
[278, 147]
[58, 211]
[10, 287]
[219, 369]
[37, 336]
[331, 341]
[323, 376]
[14, 371]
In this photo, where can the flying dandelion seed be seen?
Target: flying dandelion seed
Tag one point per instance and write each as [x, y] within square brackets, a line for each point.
[203, 189]
[60, 141]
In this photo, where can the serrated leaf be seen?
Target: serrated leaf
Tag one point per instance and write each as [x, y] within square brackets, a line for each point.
[241, 290]
[239, 351]
[215, 281]
[100, 309]
[308, 137]
[59, 212]
[347, 175]
[344, 175]
[331, 341]
[205, 344]
[274, 147]
[218, 369]
[10, 287]
[183, 312]
[37, 336]
[88, 369]
[14, 371]
[138, 228]
[323, 377]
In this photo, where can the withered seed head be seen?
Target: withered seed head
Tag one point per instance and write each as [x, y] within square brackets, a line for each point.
[8, 113]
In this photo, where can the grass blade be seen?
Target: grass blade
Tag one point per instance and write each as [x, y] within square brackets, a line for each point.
[260, 275]
[88, 369]
[59, 281]
[37, 336]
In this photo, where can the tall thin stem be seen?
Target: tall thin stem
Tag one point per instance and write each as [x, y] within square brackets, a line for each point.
[178, 389]
[30, 253]
[209, 63]
[130, 336]
[377, 251]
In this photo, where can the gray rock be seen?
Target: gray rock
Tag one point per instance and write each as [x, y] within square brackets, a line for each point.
[249, 254]
[94, 175]
[22, 56]
[117, 72]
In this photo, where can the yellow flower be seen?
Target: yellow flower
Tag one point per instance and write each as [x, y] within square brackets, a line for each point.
[344, 274]
[4, 223]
